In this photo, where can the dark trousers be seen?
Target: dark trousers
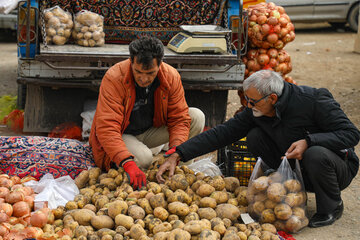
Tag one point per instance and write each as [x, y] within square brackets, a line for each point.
[323, 171]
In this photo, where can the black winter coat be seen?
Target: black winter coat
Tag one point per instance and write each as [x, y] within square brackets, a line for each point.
[300, 111]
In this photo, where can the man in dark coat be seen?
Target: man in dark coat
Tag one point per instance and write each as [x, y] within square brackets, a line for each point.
[299, 122]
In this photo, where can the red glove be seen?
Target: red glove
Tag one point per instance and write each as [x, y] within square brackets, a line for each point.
[136, 176]
[170, 151]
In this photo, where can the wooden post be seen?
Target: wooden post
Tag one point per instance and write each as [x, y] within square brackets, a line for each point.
[357, 40]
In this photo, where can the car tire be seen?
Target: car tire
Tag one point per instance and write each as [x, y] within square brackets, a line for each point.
[353, 17]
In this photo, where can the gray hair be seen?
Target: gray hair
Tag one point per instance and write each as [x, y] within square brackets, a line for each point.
[266, 82]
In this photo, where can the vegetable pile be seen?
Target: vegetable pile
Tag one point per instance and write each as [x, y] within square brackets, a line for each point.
[270, 29]
[277, 201]
[58, 25]
[188, 206]
[16, 205]
[88, 30]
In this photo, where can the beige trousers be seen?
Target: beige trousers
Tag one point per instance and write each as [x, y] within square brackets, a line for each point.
[140, 145]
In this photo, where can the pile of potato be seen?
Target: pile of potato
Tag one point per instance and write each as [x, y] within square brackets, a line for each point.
[187, 206]
[89, 29]
[58, 25]
[280, 202]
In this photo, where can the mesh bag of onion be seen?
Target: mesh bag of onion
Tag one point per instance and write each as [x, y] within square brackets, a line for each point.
[269, 26]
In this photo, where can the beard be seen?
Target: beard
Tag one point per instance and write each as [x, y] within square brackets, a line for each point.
[257, 113]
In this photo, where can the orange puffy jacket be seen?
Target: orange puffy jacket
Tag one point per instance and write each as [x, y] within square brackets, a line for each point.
[116, 101]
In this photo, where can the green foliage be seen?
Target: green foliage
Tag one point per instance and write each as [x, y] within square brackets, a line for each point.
[7, 104]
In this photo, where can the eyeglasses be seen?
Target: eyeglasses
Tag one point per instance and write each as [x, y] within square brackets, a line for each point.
[253, 102]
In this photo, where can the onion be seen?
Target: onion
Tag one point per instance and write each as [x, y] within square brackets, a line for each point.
[263, 59]
[283, 21]
[272, 38]
[282, 68]
[253, 18]
[13, 220]
[3, 217]
[14, 197]
[28, 178]
[252, 23]
[275, 14]
[292, 35]
[6, 208]
[257, 66]
[33, 232]
[38, 219]
[277, 29]
[272, 52]
[282, 57]
[259, 36]
[252, 54]
[3, 231]
[245, 60]
[262, 51]
[290, 26]
[272, 21]
[6, 182]
[2, 200]
[15, 179]
[261, 20]
[4, 191]
[273, 62]
[21, 209]
[283, 32]
[256, 28]
[280, 9]
[265, 29]
[279, 44]
[250, 65]
[30, 201]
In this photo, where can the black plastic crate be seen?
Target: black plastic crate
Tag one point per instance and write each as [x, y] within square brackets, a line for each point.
[239, 164]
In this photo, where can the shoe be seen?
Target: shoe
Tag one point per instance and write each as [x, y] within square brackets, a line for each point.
[320, 220]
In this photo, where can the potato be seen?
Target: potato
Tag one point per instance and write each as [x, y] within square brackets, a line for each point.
[101, 201]
[80, 231]
[145, 204]
[292, 185]
[267, 216]
[163, 227]
[161, 236]
[103, 221]
[261, 183]
[241, 198]
[227, 211]
[161, 213]
[194, 227]
[231, 183]
[197, 184]
[71, 205]
[109, 183]
[83, 216]
[205, 190]
[258, 207]
[158, 201]
[220, 197]
[268, 227]
[293, 224]
[87, 192]
[220, 228]
[193, 208]
[136, 212]
[50, 31]
[177, 224]
[136, 231]
[208, 202]
[153, 223]
[242, 235]
[276, 192]
[233, 201]
[190, 178]
[123, 220]
[209, 235]
[260, 197]
[283, 211]
[299, 212]
[191, 216]
[179, 234]
[207, 213]
[218, 183]
[275, 177]
[178, 208]
[59, 40]
[178, 181]
[231, 236]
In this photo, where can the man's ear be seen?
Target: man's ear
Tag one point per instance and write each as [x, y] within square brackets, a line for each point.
[273, 98]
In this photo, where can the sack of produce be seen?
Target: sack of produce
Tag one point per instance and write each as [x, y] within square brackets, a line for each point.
[58, 25]
[269, 26]
[89, 29]
[270, 59]
[278, 198]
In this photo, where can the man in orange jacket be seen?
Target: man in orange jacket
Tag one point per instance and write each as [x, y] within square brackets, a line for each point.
[141, 105]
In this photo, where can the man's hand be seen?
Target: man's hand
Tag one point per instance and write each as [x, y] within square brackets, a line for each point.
[296, 150]
[169, 164]
[136, 176]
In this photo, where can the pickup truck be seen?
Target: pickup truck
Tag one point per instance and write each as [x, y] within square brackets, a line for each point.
[54, 81]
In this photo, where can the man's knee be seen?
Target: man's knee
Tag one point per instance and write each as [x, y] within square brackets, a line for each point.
[143, 158]
[197, 121]
[315, 157]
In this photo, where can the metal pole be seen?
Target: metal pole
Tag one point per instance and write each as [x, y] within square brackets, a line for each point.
[28, 29]
[240, 30]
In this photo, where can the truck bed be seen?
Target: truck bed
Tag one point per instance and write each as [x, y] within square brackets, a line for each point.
[119, 52]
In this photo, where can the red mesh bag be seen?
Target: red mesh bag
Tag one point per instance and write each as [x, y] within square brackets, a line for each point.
[66, 130]
[15, 120]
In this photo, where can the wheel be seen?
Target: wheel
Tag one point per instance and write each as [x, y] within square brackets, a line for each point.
[353, 17]
[21, 97]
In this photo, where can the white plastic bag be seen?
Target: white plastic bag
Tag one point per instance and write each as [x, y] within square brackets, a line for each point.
[88, 117]
[6, 6]
[206, 166]
[56, 192]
